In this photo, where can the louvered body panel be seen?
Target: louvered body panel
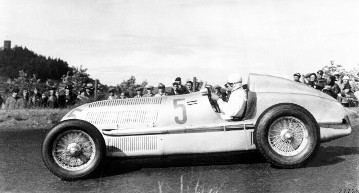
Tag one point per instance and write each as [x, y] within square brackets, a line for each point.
[134, 145]
[126, 113]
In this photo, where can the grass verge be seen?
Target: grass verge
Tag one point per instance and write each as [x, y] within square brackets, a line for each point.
[31, 118]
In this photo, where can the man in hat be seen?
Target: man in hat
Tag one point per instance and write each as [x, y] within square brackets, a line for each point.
[138, 92]
[181, 89]
[321, 81]
[161, 90]
[23, 101]
[11, 101]
[52, 99]
[175, 90]
[234, 108]
[296, 77]
[70, 97]
[35, 98]
[189, 86]
[149, 93]
[338, 80]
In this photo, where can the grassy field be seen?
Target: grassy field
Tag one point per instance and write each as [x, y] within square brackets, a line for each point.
[31, 118]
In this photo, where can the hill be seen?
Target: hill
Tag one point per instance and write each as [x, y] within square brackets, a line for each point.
[19, 58]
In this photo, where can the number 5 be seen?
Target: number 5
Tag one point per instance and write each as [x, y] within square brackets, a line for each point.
[184, 113]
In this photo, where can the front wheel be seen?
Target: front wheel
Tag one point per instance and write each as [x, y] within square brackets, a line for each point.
[73, 149]
[287, 136]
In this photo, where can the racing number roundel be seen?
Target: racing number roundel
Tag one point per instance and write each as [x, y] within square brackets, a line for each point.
[184, 112]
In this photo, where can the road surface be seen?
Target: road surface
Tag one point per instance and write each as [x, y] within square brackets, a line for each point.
[334, 169]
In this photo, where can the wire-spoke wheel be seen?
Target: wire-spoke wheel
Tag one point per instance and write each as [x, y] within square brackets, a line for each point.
[73, 149]
[287, 135]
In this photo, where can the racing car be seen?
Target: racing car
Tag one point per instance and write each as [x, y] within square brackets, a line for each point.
[284, 120]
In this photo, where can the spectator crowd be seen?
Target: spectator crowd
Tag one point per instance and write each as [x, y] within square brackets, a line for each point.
[343, 87]
[67, 97]
[52, 98]
[149, 91]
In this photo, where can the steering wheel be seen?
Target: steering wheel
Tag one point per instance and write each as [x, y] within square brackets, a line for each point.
[213, 103]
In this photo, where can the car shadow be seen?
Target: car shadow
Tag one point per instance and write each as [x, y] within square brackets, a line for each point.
[113, 166]
[327, 155]
[330, 155]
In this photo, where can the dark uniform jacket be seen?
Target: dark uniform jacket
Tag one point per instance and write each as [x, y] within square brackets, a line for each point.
[11, 103]
[22, 103]
[35, 100]
[70, 99]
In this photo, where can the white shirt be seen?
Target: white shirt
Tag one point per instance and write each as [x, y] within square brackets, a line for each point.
[233, 107]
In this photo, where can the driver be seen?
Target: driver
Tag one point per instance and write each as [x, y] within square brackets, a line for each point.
[234, 107]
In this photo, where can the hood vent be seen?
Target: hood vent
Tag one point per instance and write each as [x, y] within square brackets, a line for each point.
[127, 102]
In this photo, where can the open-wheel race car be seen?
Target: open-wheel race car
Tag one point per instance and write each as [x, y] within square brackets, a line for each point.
[284, 120]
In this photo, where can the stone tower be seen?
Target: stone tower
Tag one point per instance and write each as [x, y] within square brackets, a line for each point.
[7, 44]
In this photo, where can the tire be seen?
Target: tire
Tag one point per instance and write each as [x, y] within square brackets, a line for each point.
[287, 136]
[73, 149]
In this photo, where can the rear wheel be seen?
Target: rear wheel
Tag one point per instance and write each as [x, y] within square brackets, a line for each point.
[287, 136]
[73, 149]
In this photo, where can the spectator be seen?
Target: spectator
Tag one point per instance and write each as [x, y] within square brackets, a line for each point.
[161, 90]
[331, 88]
[35, 100]
[23, 101]
[356, 93]
[175, 90]
[138, 92]
[61, 99]
[189, 86]
[296, 77]
[123, 95]
[149, 93]
[338, 80]
[89, 92]
[321, 82]
[44, 99]
[310, 80]
[11, 101]
[1, 102]
[82, 98]
[347, 96]
[111, 93]
[344, 81]
[52, 100]
[70, 97]
[181, 89]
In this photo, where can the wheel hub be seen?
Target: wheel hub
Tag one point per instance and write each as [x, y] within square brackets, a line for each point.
[286, 135]
[73, 149]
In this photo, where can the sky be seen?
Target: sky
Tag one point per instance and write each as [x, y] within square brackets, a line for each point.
[160, 40]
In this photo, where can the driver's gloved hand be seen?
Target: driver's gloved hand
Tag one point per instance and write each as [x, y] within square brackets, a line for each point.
[214, 96]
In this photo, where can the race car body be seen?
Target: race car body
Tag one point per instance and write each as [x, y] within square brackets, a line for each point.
[284, 120]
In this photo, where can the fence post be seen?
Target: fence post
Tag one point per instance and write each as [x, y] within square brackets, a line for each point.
[96, 84]
[194, 84]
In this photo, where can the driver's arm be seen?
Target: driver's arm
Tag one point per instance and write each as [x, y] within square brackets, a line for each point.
[234, 104]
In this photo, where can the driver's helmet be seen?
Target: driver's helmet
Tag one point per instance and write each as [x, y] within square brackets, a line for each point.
[234, 78]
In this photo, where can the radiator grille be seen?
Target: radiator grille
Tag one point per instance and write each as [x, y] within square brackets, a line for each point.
[132, 144]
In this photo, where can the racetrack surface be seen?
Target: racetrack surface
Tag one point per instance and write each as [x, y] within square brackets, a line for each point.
[335, 168]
